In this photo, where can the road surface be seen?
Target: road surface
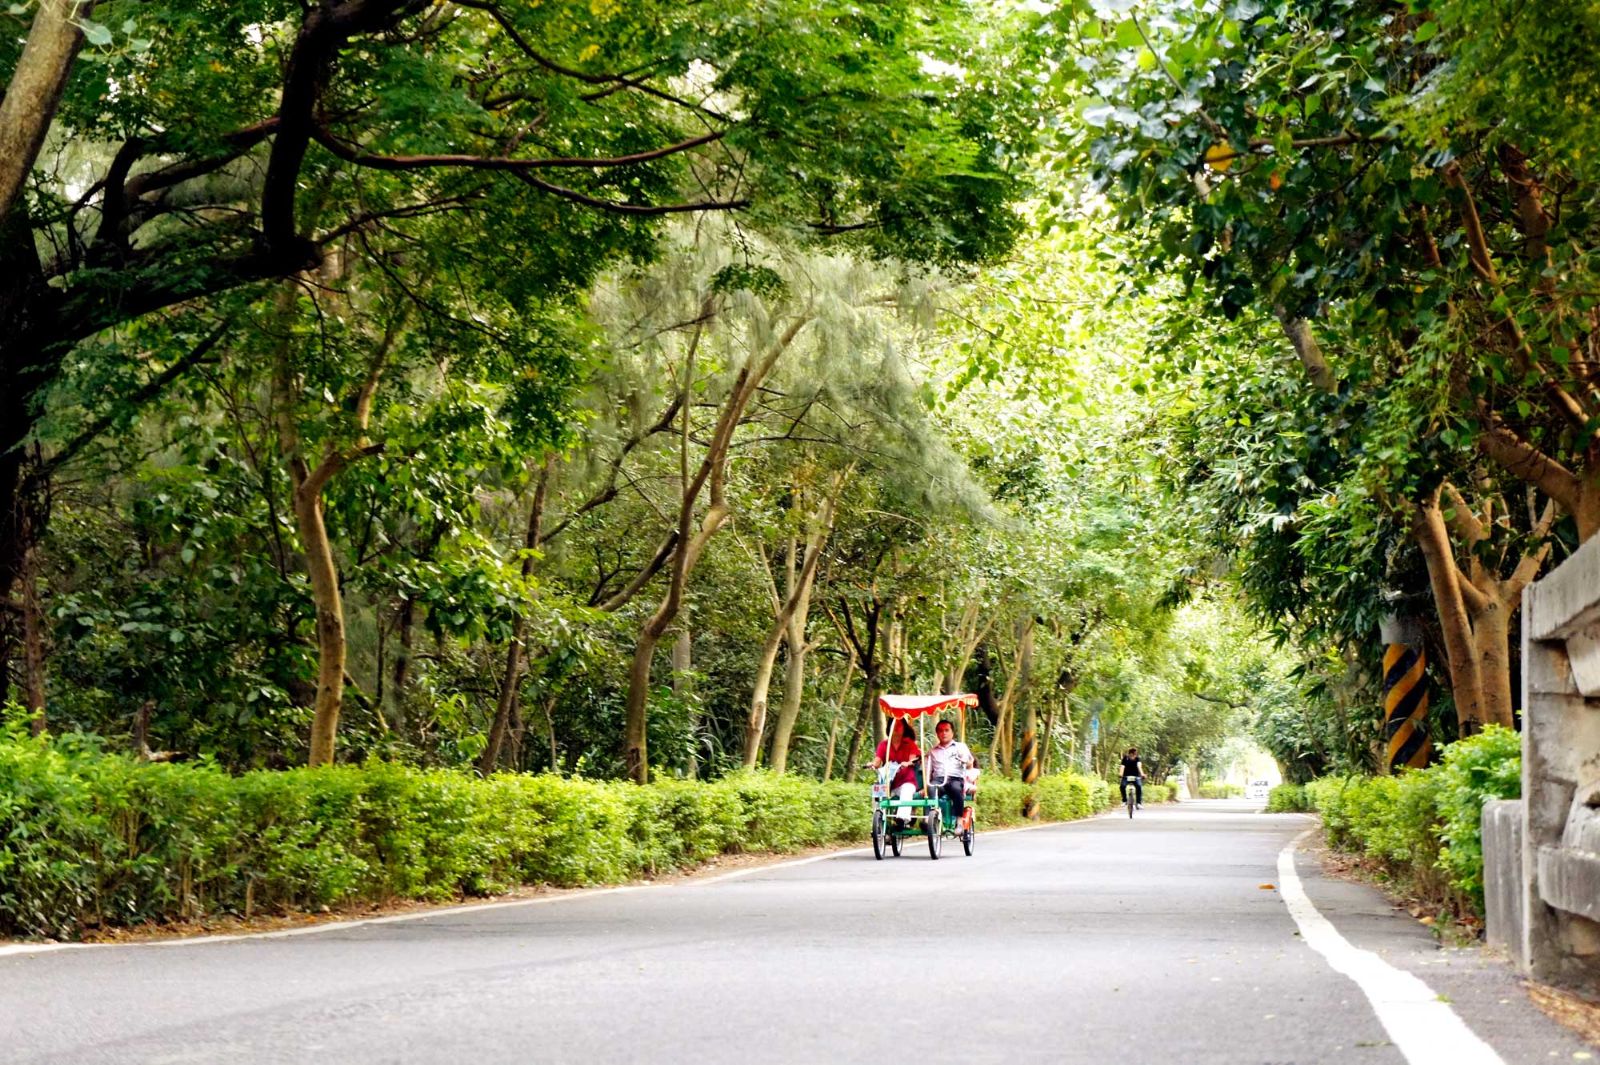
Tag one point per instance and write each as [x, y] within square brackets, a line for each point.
[1165, 939]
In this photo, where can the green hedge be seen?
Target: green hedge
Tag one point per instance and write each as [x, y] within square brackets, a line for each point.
[1288, 799]
[1423, 826]
[93, 839]
[1221, 791]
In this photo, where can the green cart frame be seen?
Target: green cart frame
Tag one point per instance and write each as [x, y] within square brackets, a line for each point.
[929, 817]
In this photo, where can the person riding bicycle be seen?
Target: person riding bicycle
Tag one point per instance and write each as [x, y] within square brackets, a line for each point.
[1132, 770]
[901, 747]
[948, 763]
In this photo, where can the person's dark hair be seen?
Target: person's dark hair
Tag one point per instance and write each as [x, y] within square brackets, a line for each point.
[904, 727]
[1133, 750]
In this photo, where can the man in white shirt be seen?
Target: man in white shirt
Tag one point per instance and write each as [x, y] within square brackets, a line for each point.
[947, 767]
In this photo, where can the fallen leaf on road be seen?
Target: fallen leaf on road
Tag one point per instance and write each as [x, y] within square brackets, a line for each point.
[1267, 887]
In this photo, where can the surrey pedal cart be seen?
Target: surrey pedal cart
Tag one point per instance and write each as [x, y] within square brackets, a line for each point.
[895, 818]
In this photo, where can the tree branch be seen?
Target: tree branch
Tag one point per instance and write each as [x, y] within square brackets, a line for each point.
[1525, 461]
[373, 161]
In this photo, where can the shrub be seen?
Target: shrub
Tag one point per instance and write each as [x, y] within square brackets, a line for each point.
[95, 839]
[1288, 799]
[1422, 827]
[1217, 790]
[1487, 766]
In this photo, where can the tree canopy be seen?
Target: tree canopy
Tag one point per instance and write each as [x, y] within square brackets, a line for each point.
[621, 389]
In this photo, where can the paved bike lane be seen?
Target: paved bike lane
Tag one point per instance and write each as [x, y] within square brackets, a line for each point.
[1164, 938]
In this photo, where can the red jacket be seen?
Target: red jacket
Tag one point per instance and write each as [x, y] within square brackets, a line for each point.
[905, 751]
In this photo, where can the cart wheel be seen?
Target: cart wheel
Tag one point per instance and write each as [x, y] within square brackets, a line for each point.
[897, 843]
[935, 829]
[877, 834]
[967, 838]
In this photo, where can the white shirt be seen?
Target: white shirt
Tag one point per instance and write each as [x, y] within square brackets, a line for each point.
[949, 759]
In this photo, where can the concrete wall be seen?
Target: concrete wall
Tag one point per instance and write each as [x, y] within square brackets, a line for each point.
[1502, 873]
[1558, 935]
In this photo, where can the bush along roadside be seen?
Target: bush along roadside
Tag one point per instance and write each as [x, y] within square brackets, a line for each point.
[1422, 827]
[90, 839]
[1288, 799]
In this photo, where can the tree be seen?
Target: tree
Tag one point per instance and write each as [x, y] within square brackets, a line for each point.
[201, 124]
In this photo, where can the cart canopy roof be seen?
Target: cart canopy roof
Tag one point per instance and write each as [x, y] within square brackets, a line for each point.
[918, 705]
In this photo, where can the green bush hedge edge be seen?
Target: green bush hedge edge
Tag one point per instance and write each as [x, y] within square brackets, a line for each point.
[89, 839]
[1422, 826]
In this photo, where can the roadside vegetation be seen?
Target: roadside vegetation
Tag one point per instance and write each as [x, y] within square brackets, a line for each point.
[1421, 829]
[91, 840]
[494, 403]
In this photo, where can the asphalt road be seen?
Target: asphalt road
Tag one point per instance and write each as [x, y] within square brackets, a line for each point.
[1107, 941]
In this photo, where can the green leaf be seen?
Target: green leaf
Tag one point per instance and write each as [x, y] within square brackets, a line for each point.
[95, 33]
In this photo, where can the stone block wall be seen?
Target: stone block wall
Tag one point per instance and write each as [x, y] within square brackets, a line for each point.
[1559, 935]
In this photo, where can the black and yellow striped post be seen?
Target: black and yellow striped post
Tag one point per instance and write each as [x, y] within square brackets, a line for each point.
[1030, 772]
[1405, 696]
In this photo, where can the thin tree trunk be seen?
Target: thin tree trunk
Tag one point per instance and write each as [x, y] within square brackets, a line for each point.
[766, 661]
[869, 698]
[838, 712]
[794, 686]
[405, 635]
[550, 732]
[309, 485]
[789, 626]
[1003, 749]
[324, 576]
[713, 471]
[33, 656]
[1455, 624]
[1047, 738]
[511, 679]
[682, 688]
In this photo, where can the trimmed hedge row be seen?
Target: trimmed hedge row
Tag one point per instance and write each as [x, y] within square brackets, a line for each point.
[1422, 827]
[1288, 799]
[92, 839]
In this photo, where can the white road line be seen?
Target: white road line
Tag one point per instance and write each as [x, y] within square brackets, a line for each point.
[1422, 1025]
[421, 915]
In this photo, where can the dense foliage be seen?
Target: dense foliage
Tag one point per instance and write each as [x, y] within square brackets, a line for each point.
[1424, 827]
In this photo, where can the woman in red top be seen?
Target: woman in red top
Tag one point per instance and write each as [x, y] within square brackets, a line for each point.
[904, 750]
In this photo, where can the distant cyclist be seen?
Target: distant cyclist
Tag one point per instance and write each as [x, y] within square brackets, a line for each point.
[1132, 770]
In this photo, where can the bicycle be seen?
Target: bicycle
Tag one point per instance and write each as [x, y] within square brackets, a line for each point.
[1130, 793]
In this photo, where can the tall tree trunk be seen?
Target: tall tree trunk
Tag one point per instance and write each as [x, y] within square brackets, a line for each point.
[789, 627]
[864, 720]
[794, 686]
[756, 716]
[682, 688]
[405, 636]
[28, 107]
[511, 679]
[1003, 748]
[838, 713]
[27, 365]
[713, 471]
[324, 576]
[1474, 606]
[1491, 638]
[309, 484]
[33, 652]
